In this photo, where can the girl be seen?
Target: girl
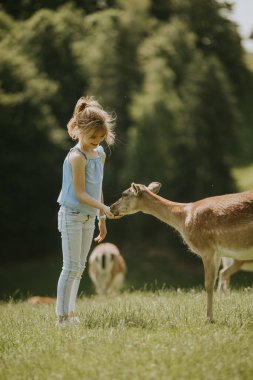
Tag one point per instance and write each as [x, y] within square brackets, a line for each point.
[81, 200]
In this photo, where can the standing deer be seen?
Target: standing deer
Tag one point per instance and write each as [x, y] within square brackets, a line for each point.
[230, 267]
[212, 227]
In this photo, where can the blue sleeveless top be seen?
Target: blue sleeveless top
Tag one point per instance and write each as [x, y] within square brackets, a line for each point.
[93, 183]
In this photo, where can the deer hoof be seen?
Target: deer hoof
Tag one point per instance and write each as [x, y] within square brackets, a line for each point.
[209, 320]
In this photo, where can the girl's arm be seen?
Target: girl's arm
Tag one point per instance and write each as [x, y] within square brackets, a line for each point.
[78, 164]
[102, 201]
[111, 216]
[101, 225]
[101, 222]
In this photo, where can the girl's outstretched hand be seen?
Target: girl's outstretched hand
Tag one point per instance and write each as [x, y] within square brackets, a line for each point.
[102, 231]
[108, 212]
[118, 217]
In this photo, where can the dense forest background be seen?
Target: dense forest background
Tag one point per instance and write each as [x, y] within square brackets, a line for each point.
[175, 74]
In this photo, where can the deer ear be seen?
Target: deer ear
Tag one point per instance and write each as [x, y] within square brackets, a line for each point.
[154, 187]
[136, 188]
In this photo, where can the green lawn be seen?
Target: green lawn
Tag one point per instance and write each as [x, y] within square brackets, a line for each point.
[244, 177]
[141, 335]
[249, 61]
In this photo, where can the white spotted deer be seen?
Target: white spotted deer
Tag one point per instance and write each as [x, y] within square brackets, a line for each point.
[211, 227]
[107, 269]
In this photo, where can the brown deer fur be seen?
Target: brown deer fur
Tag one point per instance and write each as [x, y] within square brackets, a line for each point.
[212, 227]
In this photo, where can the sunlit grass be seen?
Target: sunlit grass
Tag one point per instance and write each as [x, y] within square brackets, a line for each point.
[139, 335]
[244, 177]
[249, 61]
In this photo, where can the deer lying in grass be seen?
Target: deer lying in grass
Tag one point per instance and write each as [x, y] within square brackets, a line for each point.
[37, 299]
[230, 267]
[212, 227]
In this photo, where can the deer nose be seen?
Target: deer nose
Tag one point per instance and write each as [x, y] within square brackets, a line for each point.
[113, 210]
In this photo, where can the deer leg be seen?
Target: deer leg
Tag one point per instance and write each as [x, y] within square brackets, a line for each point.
[211, 266]
[226, 273]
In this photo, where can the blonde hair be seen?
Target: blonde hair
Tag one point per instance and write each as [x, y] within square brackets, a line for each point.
[89, 116]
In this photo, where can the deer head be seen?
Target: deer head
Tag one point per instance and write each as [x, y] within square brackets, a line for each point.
[131, 199]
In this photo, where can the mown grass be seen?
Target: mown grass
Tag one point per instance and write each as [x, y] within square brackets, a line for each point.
[139, 335]
[244, 177]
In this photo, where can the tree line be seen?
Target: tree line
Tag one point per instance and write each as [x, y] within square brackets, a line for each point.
[174, 73]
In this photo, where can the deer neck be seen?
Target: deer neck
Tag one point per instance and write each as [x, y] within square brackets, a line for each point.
[171, 213]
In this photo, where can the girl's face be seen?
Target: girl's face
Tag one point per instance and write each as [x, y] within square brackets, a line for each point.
[91, 140]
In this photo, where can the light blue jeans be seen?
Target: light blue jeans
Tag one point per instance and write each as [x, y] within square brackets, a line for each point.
[77, 231]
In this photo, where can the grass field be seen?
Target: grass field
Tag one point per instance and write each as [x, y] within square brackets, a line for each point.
[244, 177]
[140, 335]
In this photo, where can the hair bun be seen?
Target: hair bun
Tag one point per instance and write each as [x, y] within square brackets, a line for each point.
[82, 106]
[85, 102]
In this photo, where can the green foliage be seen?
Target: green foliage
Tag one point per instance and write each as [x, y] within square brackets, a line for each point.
[174, 73]
[210, 120]
[48, 39]
[185, 111]
[245, 104]
[161, 9]
[26, 8]
[216, 34]
[155, 110]
[28, 130]
[6, 24]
